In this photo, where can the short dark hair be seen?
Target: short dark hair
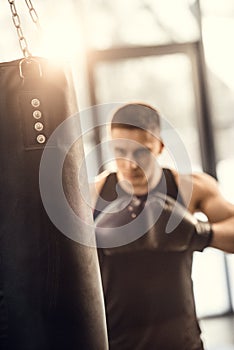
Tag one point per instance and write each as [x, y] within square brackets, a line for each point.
[136, 115]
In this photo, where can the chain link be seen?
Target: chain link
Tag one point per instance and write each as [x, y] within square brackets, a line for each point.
[33, 13]
[17, 23]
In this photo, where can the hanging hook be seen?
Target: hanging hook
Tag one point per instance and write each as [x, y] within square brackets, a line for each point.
[29, 61]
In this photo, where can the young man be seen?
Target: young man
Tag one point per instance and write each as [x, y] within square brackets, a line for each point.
[147, 278]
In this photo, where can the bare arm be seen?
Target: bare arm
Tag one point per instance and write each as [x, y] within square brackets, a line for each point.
[208, 199]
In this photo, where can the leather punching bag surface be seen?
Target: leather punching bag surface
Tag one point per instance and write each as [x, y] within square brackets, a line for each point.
[50, 287]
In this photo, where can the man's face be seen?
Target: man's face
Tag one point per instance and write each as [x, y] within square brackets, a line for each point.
[135, 152]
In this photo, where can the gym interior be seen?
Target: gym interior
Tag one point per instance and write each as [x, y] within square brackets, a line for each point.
[177, 55]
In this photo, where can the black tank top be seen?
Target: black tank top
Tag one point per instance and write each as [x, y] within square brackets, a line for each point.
[112, 191]
[148, 294]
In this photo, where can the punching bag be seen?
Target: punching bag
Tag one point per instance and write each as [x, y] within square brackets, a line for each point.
[50, 286]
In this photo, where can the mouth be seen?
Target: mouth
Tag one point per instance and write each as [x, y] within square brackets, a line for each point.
[132, 176]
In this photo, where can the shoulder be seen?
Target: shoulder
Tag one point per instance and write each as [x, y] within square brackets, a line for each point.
[196, 189]
[101, 179]
[97, 185]
[207, 195]
[205, 183]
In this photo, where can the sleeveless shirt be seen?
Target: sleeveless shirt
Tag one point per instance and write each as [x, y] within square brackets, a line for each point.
[148, 294]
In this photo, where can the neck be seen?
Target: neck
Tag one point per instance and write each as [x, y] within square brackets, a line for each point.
[142, 188]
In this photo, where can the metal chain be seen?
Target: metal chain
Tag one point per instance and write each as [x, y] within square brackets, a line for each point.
[33, 13]
[22, 40]
[17, 23]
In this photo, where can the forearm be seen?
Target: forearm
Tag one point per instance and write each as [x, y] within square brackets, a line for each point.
[223, 235]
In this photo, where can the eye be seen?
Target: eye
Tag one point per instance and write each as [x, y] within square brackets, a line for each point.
[120, 152]
[142, 153]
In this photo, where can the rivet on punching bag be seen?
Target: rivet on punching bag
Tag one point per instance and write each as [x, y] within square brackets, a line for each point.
[50, 287]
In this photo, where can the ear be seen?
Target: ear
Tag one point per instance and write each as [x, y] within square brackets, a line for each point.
[161, 147]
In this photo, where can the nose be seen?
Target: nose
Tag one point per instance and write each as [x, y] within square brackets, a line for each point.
[130, 164]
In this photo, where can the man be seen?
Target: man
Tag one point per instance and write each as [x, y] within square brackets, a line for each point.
[146, 268]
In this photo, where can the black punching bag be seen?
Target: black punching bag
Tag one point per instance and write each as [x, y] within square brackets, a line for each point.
[50, 287]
